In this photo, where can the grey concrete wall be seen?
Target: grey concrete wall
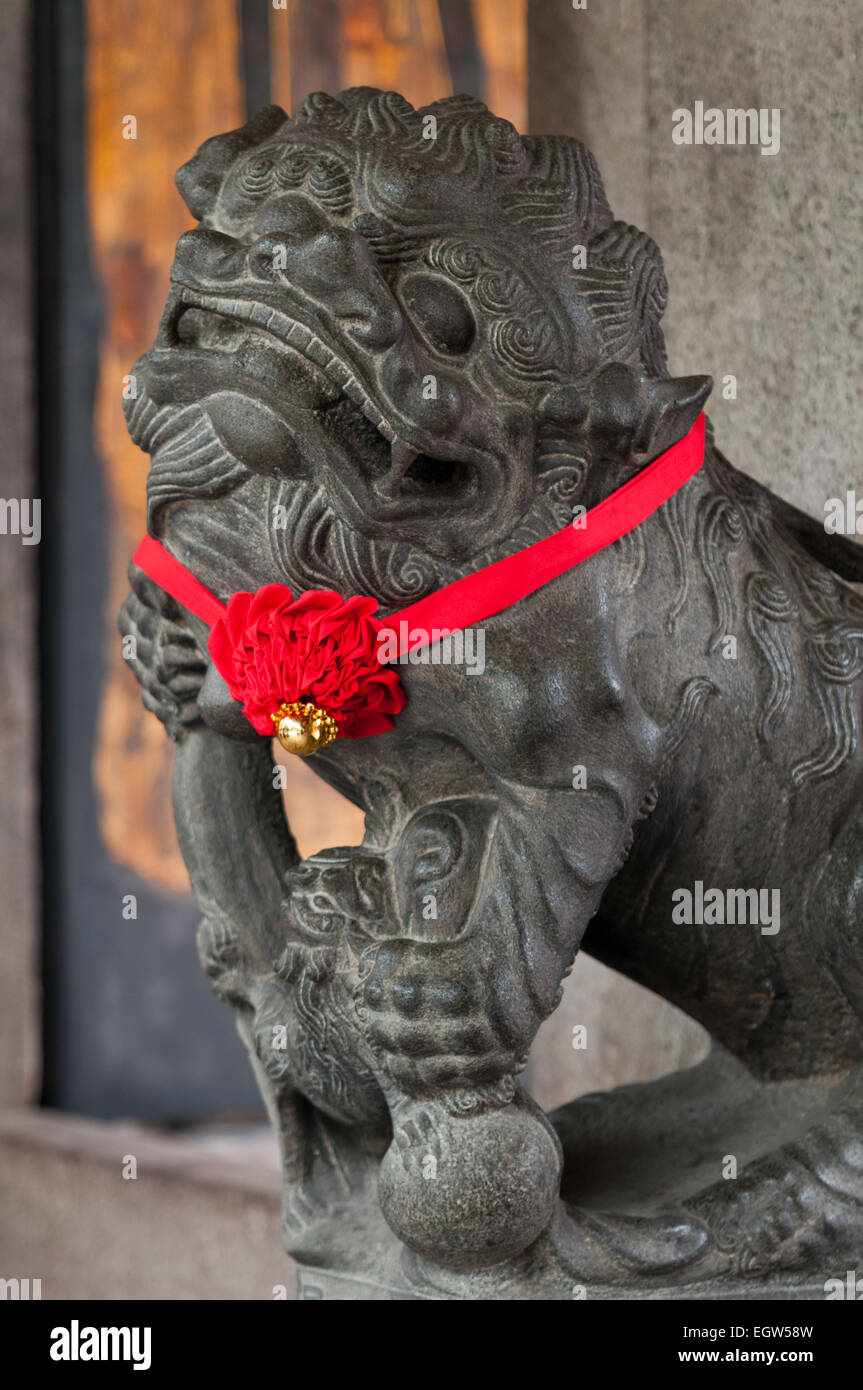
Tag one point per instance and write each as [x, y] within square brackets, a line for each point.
[199, 1221]
[587, 76]
[763, 255]
[628, 1035]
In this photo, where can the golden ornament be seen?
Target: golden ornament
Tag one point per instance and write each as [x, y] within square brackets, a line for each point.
[303, 728]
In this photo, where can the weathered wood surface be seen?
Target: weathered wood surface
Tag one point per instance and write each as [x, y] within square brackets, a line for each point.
[178, 71]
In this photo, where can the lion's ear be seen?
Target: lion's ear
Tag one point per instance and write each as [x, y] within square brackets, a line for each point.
[629, 416]
[671, 408]
[200, 179]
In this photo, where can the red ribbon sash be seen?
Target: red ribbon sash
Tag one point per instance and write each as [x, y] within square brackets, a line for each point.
[498, 586]
[172, 576]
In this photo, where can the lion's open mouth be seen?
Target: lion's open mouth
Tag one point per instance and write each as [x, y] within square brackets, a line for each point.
[306, 382]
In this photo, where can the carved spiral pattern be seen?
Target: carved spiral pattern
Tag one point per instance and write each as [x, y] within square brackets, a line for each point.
[720, 526]
[459, 259]
[316, 550]
[499, 291]
[525, 346]
[278, 167]
[258, 177]
[837, 652]
[330, 182]
[292, 168]
[769, 606]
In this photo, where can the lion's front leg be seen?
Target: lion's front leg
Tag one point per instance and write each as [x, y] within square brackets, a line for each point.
[472, 1177]
[288, 985]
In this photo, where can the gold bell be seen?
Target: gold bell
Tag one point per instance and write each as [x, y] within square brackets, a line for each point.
[303, 728]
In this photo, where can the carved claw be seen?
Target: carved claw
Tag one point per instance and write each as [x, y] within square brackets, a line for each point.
[419, 1144]
[635, 1243]
[164, 656]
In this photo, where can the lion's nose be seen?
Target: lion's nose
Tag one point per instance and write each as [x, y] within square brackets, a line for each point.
[204, 254]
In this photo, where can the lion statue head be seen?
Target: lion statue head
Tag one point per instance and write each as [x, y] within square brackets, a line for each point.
[396, 340]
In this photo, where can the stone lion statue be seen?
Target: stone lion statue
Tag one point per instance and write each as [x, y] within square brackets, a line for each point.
[398, 346]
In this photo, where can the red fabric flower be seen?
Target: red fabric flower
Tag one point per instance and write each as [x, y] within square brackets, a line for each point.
[319, 648]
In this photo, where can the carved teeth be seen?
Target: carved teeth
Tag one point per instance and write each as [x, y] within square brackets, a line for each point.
[295, 335]
[402, 456]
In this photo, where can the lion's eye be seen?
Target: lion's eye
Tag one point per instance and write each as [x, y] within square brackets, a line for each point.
[440, 312]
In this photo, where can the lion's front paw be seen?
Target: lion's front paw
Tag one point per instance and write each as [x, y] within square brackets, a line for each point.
[430, 1011]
